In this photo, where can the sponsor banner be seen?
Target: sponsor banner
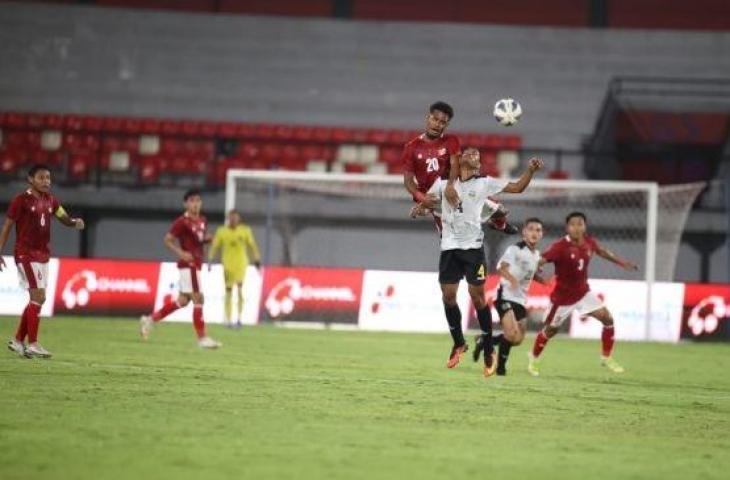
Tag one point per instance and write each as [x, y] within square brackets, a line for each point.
[406, 302]
[13, 299]
[214, 289]
[105, 287]
[627, 302]
[311, 294]
[706, 312]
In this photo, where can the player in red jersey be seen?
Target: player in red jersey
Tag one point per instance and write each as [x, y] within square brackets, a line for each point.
[186, 239]
[571, 256]
[31, 212]
[435, 154]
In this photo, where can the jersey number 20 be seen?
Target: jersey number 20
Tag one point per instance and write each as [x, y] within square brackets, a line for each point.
[432, 165]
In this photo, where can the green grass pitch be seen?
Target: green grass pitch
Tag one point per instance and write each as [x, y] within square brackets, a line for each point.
[277, 404]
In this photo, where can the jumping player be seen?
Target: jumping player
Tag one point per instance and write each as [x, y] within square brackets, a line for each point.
[571, 256]
[435, 154]
[186, 239]
[462, 248]
[235, 240]
[31, 212]
[517, 267]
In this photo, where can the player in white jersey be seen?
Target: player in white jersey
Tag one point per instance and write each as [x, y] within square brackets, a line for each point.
[462, 248]
[517, 267]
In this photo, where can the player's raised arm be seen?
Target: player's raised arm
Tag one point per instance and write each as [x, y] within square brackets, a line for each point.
[65, 219]
[612, 257]
[521, 184]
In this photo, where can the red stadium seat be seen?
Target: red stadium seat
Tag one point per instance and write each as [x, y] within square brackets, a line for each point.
[292, 163]
[52, 121]
[79, 167]
[148, 170]
[170, 127]
[208, 129]
[73, 122]
[342, 135]
[78, 142]
[150, 126]
[322, 134]
[132, 126]
[271, 152]
[265, 131]
[283, 132]
[558, 175]
[10, 161]
[35, 120]
[377, 136]
[15, 120]
[227, 129]
[399, 137]
[249, 150]
[190, 128]
[92, 123]
[390, 155]
[112, 125]
[245, 130]
[395, 168]
[303, 133]
[15, 140]
[112, 144]
[359, 135]
[169, 146]
[130, 144]
[355, 168]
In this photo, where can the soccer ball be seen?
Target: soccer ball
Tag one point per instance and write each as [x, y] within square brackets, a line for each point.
[507, 111]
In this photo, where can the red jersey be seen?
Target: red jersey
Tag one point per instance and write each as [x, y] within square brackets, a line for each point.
[571, 268]
[32, 216]
[190, 232]
[429, 159]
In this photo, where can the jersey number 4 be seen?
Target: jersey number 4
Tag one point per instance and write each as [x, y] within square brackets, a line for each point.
[432, 165]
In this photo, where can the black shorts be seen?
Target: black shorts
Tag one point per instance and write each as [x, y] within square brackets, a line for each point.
[457, 264]
[503, 306]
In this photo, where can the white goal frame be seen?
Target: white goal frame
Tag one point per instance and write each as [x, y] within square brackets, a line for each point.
[650, 188]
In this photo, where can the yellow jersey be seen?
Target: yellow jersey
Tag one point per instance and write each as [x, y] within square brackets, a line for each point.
[235, 245]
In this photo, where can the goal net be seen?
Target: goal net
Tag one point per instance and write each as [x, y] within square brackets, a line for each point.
[361, 221]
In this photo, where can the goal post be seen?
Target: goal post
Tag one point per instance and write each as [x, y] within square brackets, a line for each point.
[352, 212]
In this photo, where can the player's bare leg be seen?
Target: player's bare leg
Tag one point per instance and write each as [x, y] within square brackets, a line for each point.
[533, 363]
[204, 341]
[513, 334]
[239, 306]
[227, 306]
[607, 339]
[31, 317]
[484, 316]
[453, 317]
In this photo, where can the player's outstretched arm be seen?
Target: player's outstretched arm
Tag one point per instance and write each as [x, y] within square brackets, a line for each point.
[65, 219]
[521, 184]
[4, 235]
[612, 257]
[171, 244]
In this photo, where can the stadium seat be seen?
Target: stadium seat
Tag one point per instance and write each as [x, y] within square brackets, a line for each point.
[15, 120]
[303, 133]
[80, 166]
[558, 175]
[398, 137]
[169, 146]
[208, 129]
[190, 128]
[264, 131]
[77, 142]
[52, 121]
[390, 155]
[248, 150]
[10, 161]
[270, 152]
[292, 163]
[35, 120]
[111, 143]
[73, 122]
[377, 136]
[322, 134]
[342, 135]
[227, 129]
[112, 125]
[170, 127]
[148, 170]
[151, 126]
[132, 126]
[92, 123]
[283, 132]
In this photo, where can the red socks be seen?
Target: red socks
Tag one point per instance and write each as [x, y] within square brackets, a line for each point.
[166, 310]
[198, 322]
[540, 342]
[32, 321]
[22, 326]
[607, 340]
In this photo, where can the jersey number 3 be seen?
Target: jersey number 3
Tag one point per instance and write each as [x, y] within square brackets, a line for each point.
[581, 264]
[432, 165]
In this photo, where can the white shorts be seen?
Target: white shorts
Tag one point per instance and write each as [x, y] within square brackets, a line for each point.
[557, 314]
[189, 280]
[32, 274]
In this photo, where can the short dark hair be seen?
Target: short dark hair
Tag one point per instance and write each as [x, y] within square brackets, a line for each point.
[532, 220]
[191, 193]
[37, 168]
[572, 215]
[442, 107]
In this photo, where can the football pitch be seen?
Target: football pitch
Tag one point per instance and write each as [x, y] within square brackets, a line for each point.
[276, 403]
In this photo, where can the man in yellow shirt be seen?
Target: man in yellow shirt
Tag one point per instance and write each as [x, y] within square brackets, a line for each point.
[236, 242]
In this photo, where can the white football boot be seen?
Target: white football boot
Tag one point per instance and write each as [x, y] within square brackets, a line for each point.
[207, 342]
[37, 350]
[16, 346]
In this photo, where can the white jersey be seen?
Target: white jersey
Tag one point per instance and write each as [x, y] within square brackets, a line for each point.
[462, 225]
[523, 264]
